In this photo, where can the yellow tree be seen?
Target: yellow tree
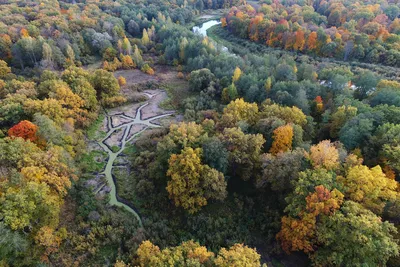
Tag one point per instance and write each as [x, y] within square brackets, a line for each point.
[288, 114]
[145, 38]
[127, 62]
[4, 69]
[324, 155]
[121, 81]
[50, 240]
[188, 253]
[192, 183]
[283, 137]
[239, 110]
[369, 187]
[236, 74]
[268, 84]
[238, 255]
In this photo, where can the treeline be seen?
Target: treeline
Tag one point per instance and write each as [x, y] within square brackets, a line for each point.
[345, 30]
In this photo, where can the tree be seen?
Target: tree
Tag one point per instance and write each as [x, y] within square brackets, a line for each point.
[182, 46]
[370, 187]
[281, 170]
[105, 83]
[133, 28]
[236, 74]
[192, 183]
[215, 154]
[25, 129]
[13, 245]
[239, 110]
[121, 81]
[145, 38]
[357, 131]
[283, 137]
[4, 69]
[147, 69]
[354, 236]
[324, 155]
[31, 205]
[200, 79]
[340, 117]
[299, 234]
[284, 72]
[126, 46]
[238, 255]
[127, 62]
[137, 57]
[244, 151]
[188, 253]
[230, 93]
[312, 41]
[49, 239]
[365, 82]
[288, 114]
[300, 40]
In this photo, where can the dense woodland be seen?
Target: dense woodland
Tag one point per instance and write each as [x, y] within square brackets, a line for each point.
[346, 30]
[281, 157]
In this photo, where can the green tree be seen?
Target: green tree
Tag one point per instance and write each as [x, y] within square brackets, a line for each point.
[354, 236]
[105, 84]
[200, 79]
[244, 151]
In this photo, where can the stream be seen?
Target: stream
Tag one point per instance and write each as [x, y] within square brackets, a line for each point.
[202, 30]
[112, 155]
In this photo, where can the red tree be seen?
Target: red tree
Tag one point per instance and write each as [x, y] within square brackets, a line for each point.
[24, 129]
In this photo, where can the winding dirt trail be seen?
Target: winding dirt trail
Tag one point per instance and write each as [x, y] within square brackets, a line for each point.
[131, 127]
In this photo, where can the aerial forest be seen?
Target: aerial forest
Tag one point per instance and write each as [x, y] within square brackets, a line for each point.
[199, 133]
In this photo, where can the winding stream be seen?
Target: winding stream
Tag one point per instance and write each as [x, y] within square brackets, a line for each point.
[112, 155]
[202, 30]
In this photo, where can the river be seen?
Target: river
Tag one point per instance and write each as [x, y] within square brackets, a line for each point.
[205, 26]
[202, 30]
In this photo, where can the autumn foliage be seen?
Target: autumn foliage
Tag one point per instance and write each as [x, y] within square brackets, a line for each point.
[24, 129]
[283, 137]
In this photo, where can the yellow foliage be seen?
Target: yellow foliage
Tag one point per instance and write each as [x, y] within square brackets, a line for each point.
[288, 114]
[238, 255]
[121, 81]
[283, 137]
[239, 110]
[236, 74]
[369, 187]
[324, 155]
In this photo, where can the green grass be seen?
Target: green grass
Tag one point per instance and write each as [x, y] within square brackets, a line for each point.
[93, 161]
[93, 132]
[130, 149]
[115, 149]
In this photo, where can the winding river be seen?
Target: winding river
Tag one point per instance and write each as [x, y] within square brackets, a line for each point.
[202, 30]
[127, 128]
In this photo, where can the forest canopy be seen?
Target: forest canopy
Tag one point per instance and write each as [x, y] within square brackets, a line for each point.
[128, 139]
